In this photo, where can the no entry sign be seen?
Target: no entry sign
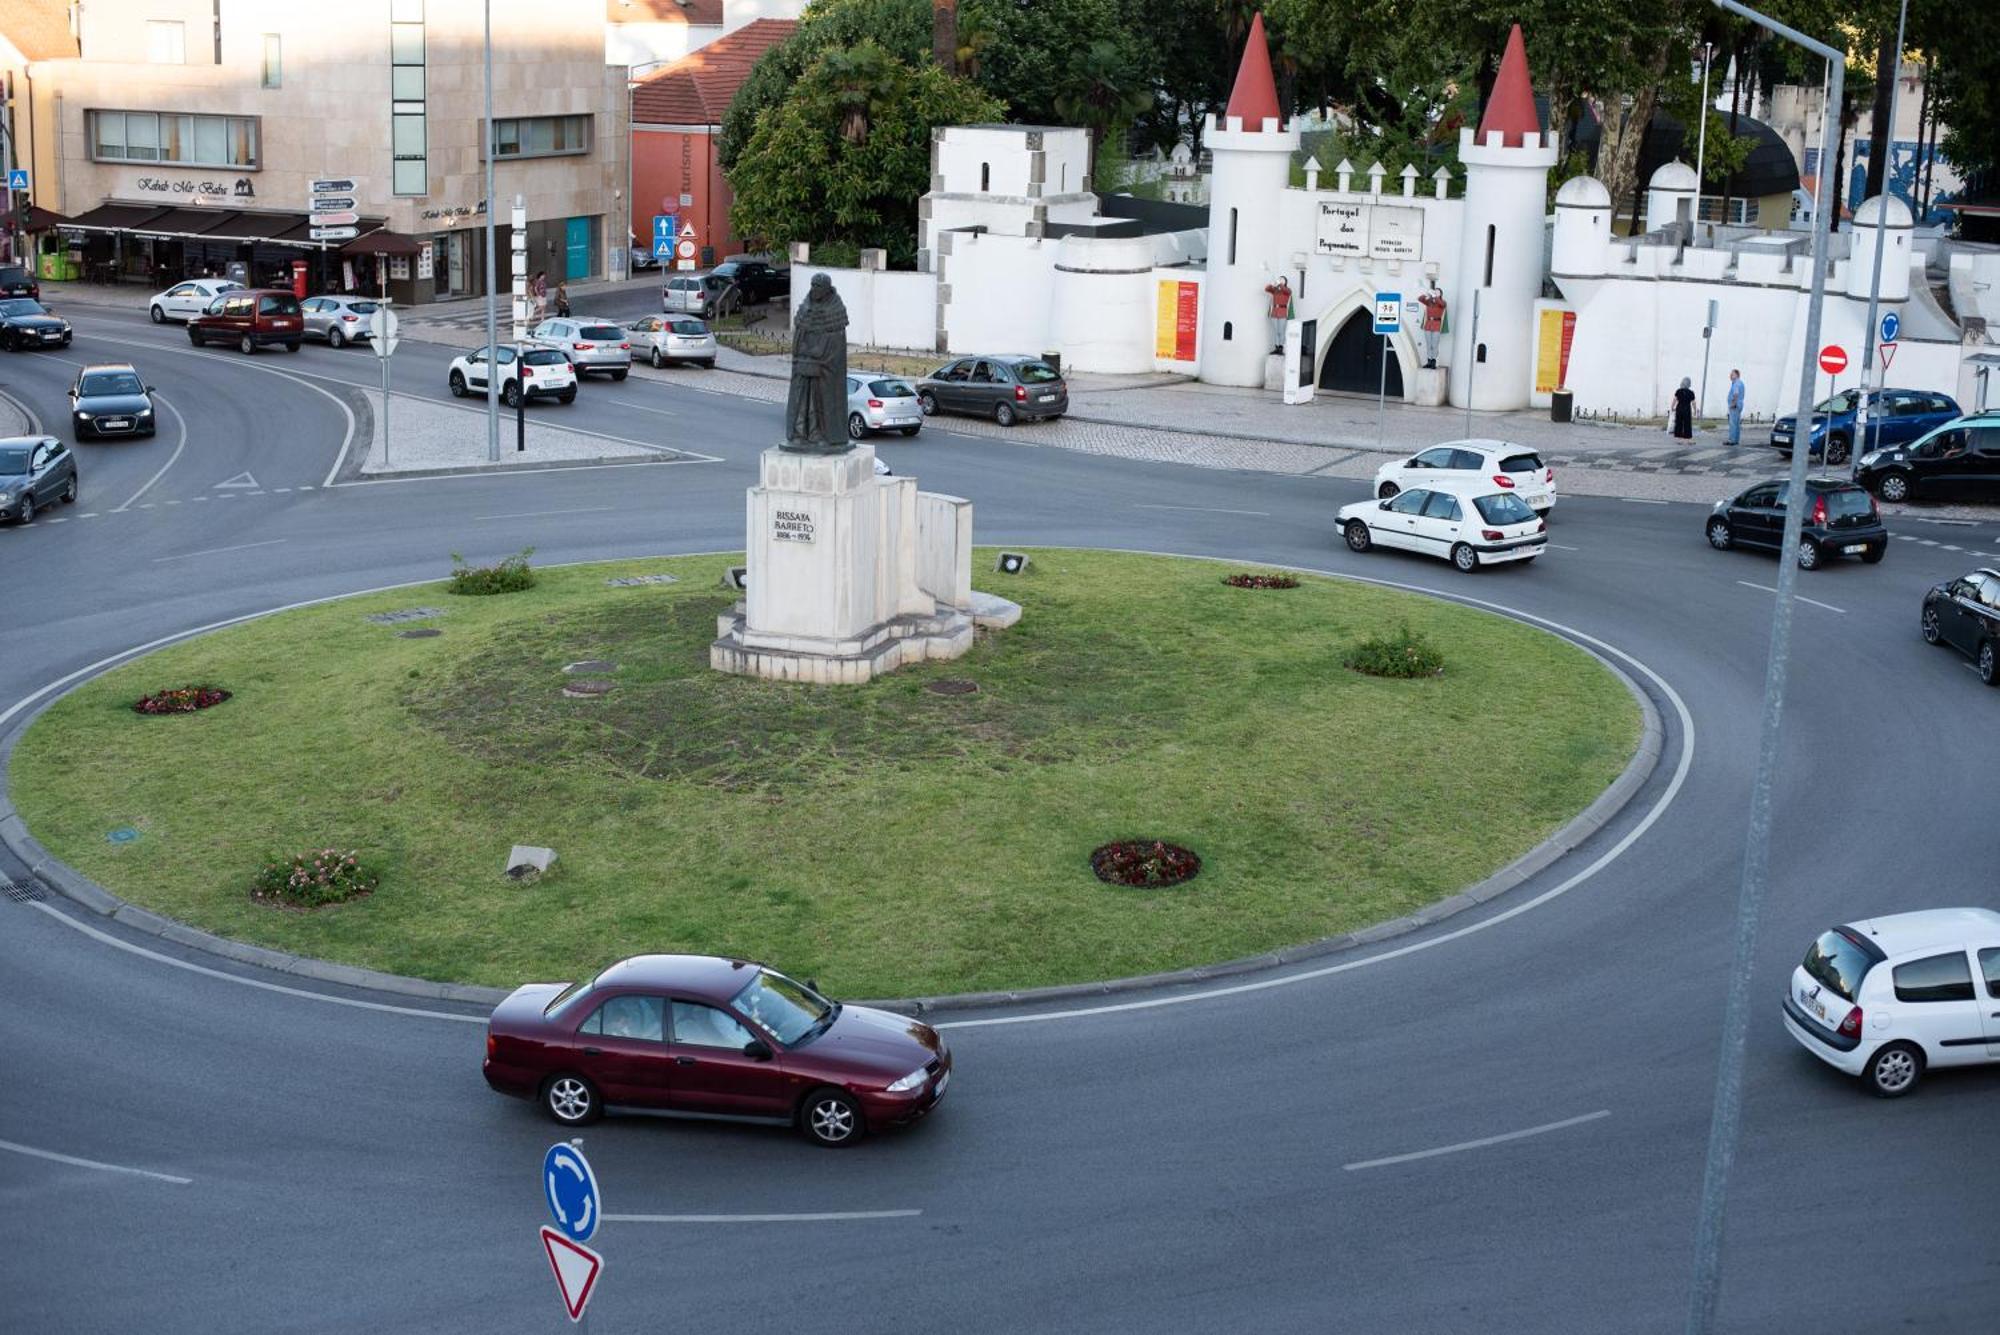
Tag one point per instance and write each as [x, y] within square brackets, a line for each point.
[1833, 359]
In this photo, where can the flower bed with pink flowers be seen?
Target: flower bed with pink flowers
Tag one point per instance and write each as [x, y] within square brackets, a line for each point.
[180, 700]
[314, 879]
[1243, 579]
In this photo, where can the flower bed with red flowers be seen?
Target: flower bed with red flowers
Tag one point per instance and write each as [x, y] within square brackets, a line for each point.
[1144, 862]
[1245, 580]
[314, 879]
[180, 700]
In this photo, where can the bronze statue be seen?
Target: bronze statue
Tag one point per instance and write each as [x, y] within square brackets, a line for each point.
[816, 408]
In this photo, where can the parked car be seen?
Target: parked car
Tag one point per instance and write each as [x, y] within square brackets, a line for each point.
[26, 323]
[693, 294]
[110, 400]
[643, 258]
[1895, 417]
[546, 372]
[1965, 614]
[339, 320]
[1888, 998]
[711, 1037]
[1006, 389]
[1959, 460]
[1470, 524]
[592, 346]
[754, 282]
[1840, 520]
[881, 403]
[184, 301]
[17, 280]
[1510, 467]
[35, 471]
[251, 318]
[661, 339]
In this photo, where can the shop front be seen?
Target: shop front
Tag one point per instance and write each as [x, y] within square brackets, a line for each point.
[156, 245]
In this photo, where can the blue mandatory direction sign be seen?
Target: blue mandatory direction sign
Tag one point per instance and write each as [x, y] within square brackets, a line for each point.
[665, 228]
[17, 179]
[571, 1187]
[1388, 312]
[1892, 325]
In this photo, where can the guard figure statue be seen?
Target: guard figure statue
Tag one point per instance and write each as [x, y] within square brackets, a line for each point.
[1433, 303]
[816, 408]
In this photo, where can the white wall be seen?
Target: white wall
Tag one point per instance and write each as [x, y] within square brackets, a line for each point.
[1103, 304]
[885, 308]
[1000, 290]
[1013, 165]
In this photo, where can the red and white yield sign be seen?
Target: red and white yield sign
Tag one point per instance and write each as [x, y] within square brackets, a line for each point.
[1833, 359]
[577, 1268]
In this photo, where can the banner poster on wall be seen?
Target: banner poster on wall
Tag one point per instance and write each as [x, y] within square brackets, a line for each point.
[1175, 320]
[1555, 332]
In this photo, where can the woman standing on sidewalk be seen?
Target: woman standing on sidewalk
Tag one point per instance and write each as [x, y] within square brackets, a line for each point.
[1684, 411]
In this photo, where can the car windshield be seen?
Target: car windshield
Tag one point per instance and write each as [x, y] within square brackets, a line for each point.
[1842, 402]
[1503, 508]
[112, 382]
[602, 332]
[14, 459]
[1036, 373]
[891, 389]
[1848, 502]
[567, 995]
[691, 328]
[781, 1006]
[22, 306]
[544, 357]
[1837, 962]
[1521, 463]
[364, 307]
[278, 305]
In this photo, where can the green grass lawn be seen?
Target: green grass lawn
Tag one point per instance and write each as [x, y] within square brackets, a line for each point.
[884, 838]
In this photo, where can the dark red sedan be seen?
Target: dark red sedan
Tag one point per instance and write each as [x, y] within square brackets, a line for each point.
[712, 1037]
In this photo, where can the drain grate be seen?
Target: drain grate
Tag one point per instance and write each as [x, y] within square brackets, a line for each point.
[22, 892]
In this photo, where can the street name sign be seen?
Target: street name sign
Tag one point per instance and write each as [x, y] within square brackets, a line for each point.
[334, 233]
[576, 1269]
[335, 219]
[336, 186]
[1833, 359]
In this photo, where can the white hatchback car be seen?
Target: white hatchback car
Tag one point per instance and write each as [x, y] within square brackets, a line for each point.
[546, 371]
[1888, 998]
[1470, 524]
[184, 301]
[1510, 467]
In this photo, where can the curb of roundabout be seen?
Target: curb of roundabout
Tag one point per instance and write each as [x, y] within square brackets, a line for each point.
[86, 893]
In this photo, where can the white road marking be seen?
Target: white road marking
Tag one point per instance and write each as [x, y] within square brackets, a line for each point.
[1799, 596]
[1637, 500]
[830, 1216]
[243, 479]
[280, 489]
[1559, 547]
[88, 514]
[1479, 1144]
[1207, 510]
[179, 445]
[51, 1155]
[217, 551]
[539, 514]
[1950, 547]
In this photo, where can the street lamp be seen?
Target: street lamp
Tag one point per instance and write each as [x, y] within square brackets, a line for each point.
[1701, 139]
[1726, 1120]
[1861, 425]
[492, 296]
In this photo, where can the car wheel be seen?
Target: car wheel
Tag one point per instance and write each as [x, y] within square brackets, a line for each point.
[1933, 634]
[1719, 536]
[571, 1100]
[1464, 557]
[830, 1117]
[567, 396]
[511, 394]
[1873, 556]
[619, 375]
[1894, 1070]
[27, 515]
[69, 491]
[336, 339]
[1809, 554]
[927, 403]
[248, 345]
[909, 430]
[1893, 487]
[1386, 490]
[1837, 450]
[194, 336]
[857, 427]
[657, 360]
[292, 345]
[457, 383]
[1003, 413]
[159, 316]
[1357, 536]
[706, 363]
[1989, 664]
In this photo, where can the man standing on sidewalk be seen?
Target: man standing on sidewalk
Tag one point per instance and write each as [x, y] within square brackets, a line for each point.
[1735, 407]
[1281, 310]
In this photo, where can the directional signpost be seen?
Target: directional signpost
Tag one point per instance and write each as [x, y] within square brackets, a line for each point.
[1388, 320]
[576, 1205]
[382, 337]
[330, 210]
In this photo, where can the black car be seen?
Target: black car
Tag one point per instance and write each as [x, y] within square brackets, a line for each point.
[17, 281]
[1960, 459]
[1965, 614]
[26, 323]
[1840, 520]
[754, 281]
[35, 471]
[110, 400]
[1006, 389]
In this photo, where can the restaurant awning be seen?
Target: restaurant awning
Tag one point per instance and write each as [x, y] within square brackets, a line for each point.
[115, 217]
[382, 241]
[186, 222]
[34, 218]
[265, 226]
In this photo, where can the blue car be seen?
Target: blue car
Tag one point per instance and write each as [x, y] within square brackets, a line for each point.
[1895, 417]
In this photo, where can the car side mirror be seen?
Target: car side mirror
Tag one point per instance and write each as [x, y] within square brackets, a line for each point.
[757, 1050]
[151, 390]
[812, 985]
[1383, 505]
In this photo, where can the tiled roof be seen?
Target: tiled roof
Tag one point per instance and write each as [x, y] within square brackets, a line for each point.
[40, 28]
[699, 13]
[696, 89]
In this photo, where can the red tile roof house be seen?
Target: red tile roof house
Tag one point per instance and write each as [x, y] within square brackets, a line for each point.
[676, 117]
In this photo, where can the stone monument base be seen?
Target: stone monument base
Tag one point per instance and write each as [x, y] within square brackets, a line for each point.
[1429, 388]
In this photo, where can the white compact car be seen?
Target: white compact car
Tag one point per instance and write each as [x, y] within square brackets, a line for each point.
[1509, 467]
[1888, 998]
[1469, 524]
[184, 301]
[545, 371]
[881, 403]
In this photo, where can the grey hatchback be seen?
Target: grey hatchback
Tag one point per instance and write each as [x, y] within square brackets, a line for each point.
[1006, 389]
[34, 471]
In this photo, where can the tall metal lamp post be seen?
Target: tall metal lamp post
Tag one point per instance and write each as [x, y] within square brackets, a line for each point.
[492, 296]
[1726, 1120]
[1860, 445]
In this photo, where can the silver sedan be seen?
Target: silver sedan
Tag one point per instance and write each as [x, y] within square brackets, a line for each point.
[339, 320]
[672, 338]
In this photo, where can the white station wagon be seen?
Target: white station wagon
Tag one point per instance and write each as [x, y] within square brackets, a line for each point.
[1888, 998]
[1469, 524]
[1514, 468]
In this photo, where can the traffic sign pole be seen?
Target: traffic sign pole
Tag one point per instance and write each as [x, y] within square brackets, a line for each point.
[577, 1206]
[1388, 320]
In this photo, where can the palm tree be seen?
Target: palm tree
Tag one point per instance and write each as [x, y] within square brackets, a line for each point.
[1106, 91]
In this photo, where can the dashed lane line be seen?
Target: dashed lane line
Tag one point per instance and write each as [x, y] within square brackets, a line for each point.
[1480, 1144]
[217, 551]
[1799, 596]
[818, 1217]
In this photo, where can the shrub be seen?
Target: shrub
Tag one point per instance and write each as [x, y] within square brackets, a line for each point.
[312, 879]
[1406, 653]
[509, 576]
[180, 700]
[1143, 862]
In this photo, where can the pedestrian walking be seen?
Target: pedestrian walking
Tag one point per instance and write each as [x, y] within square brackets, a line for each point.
[1684, 411]
[562, 298]
[1735, 407]
[539, 289]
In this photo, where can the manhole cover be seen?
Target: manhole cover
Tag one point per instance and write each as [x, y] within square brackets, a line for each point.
[952, 686]
[420, 633]
[594, 666]
[586, 688]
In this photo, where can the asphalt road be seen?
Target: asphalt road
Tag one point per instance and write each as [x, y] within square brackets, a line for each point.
[1205, 1159]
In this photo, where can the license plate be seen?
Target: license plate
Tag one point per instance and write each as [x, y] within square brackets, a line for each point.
[50, 336]
[115, 423]
[1048, 398]
[1855, 548]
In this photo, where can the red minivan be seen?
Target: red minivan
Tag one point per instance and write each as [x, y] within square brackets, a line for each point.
[251, 319]
[709, 1037]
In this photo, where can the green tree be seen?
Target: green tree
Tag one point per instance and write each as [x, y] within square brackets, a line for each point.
[840, 160]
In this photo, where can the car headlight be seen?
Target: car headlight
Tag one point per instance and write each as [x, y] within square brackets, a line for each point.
[86, 417]
[6, 498]
[914, 1080]
[145, 412]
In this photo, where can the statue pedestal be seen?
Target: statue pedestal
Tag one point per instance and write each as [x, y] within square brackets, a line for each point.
[1430, 386]
[849, 575]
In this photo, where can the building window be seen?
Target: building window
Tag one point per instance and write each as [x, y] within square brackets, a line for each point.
[408, 128]
[1228, 330]
[541, 136]
[1232, 239]
[163, 136]
[274, 71]
[1490, 233]
[985, 177]
[166, 42]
